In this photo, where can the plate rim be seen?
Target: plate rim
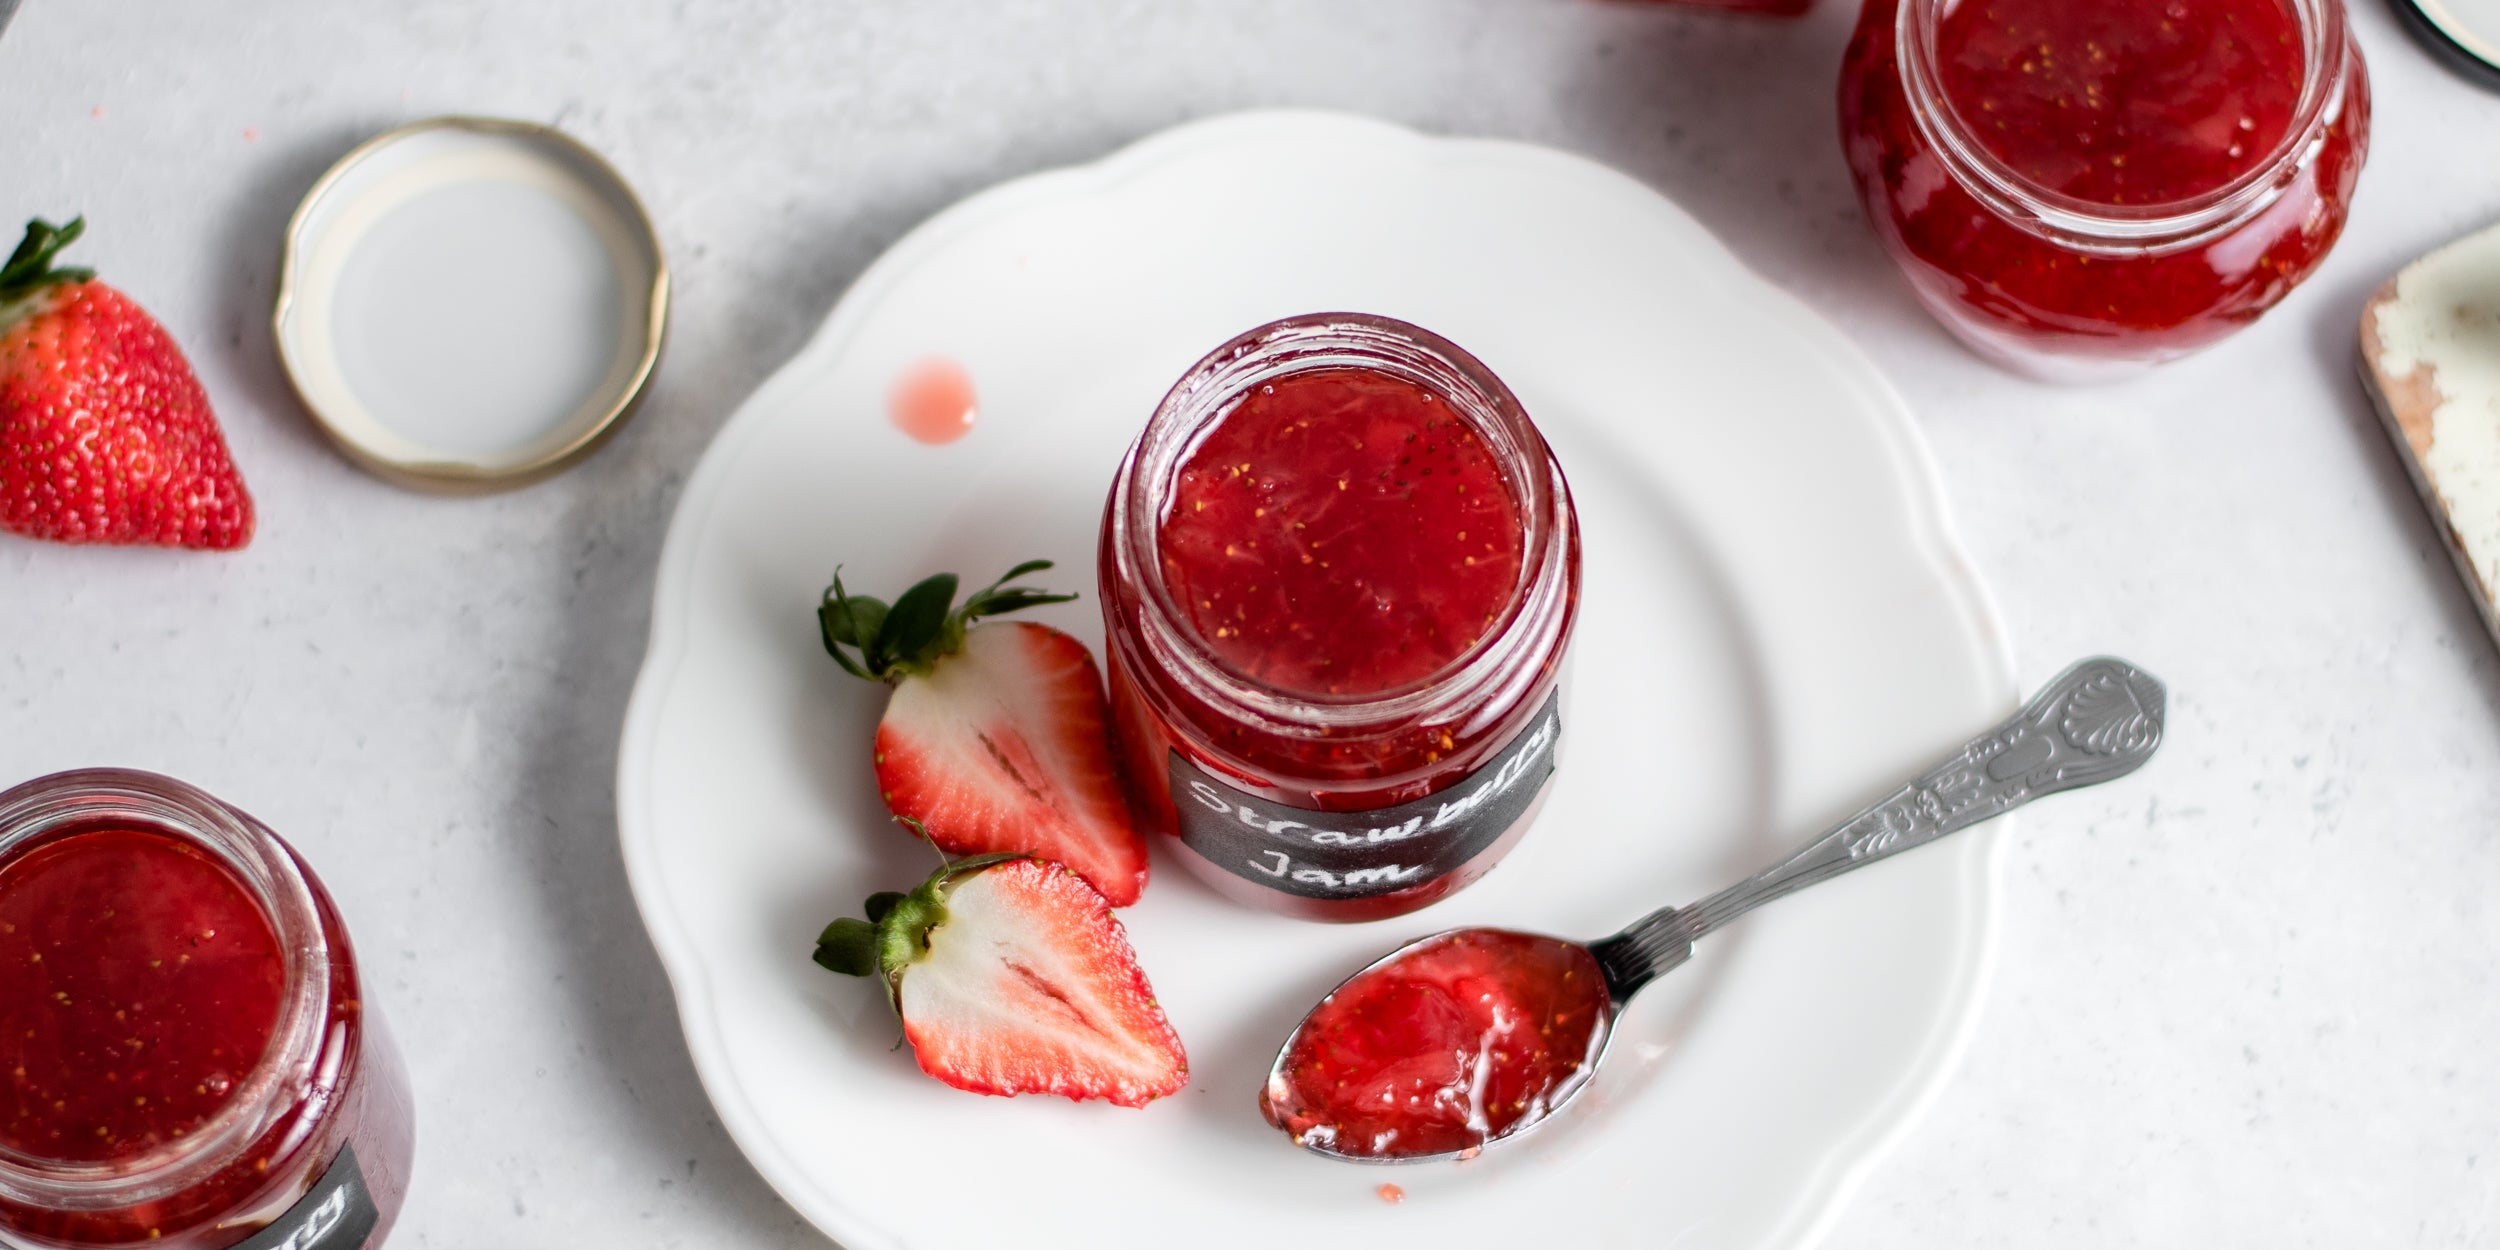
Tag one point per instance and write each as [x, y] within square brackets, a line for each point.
[1844, 1163]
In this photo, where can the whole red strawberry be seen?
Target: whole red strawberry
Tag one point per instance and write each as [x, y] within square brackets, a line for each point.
[105, 435]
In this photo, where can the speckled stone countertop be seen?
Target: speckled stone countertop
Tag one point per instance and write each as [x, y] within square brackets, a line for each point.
[2249, 1000]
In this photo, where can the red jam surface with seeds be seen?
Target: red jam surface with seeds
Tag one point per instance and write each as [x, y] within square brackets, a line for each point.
[1457, 1043]
[1341, 531]
[2124, 105]
[2124, 102]
[139, 984]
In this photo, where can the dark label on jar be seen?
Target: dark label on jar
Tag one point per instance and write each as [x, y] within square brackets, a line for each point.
[1361, 854]
[337, 1215]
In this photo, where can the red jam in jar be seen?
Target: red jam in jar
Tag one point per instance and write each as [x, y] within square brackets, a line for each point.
[1271, 547]
[138, 979]
[2082, 188]
[1462, 1040]
[187, 1058]
[1339, 570]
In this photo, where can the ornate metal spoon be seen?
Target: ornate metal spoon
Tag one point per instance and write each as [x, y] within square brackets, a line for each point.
[1471, 1037]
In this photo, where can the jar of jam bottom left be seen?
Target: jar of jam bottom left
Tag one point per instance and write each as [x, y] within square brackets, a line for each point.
[186, 1056]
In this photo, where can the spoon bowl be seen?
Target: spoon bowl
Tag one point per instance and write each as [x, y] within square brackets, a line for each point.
[1466, 1037]
[1458, 1041]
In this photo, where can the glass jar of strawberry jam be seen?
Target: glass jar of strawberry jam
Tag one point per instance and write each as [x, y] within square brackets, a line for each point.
[2083, 188]
[187, 1055]
[1339, 570]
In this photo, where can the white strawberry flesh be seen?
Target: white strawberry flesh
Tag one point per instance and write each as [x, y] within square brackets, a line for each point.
[1029, 986]
[1003, 746]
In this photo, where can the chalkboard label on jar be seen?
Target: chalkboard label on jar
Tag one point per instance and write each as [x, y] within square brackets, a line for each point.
[337, 1215]
[1362, 854]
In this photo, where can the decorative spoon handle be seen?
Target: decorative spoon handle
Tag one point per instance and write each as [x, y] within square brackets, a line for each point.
[2098, 720]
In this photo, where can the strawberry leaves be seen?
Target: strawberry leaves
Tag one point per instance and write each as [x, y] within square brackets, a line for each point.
[896, 933]
[998, 597]
[908, 637]
[848, 946]
[29, 269]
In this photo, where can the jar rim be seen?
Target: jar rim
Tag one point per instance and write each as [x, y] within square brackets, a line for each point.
[1537, 606]
[2090, 226]
[67, 803]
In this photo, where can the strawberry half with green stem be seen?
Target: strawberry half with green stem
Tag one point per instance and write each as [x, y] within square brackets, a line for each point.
[1012, 976]
[996, 738]
[105, 433]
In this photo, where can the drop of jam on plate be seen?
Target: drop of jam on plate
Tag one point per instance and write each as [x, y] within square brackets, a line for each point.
[1458, 1042]
[1391, 1194]
[2124, 102]
[933, 401]
[140, 982]
[1341, 532]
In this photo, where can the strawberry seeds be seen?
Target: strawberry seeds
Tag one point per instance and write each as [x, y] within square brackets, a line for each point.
[106, 436]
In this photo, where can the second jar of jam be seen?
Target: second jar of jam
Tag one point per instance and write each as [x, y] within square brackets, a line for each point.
[186, 1057]
[1339, 570]
[2082, 188]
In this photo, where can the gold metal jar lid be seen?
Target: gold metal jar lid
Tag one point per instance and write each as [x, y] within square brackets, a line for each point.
[469, 304]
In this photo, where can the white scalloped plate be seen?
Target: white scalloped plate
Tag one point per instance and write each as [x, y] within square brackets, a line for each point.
[1777, 625]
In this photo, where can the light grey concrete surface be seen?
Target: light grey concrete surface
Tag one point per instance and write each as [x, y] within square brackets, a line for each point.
[2247, 1001]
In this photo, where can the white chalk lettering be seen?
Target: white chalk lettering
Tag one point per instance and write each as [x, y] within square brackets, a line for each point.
[1500, 782]
[1452, 812]
[1369, 837]
[329, 1215]
[319, 1224]
[1387, 874]
[1206, 794]
[1395, 833]
[1390, 874]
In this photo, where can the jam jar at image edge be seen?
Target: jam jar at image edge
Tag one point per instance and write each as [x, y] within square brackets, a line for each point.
[310, 1144]
[2069, 288]
[1371, 796]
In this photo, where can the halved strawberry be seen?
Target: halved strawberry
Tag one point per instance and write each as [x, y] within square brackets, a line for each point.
[997, 737]
[1013, 977]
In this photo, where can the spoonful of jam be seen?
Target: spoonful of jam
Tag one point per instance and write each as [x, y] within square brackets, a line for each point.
[1471, 1037]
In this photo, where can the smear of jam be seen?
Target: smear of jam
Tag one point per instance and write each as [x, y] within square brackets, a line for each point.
[934, 401]
[1459, 1042]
